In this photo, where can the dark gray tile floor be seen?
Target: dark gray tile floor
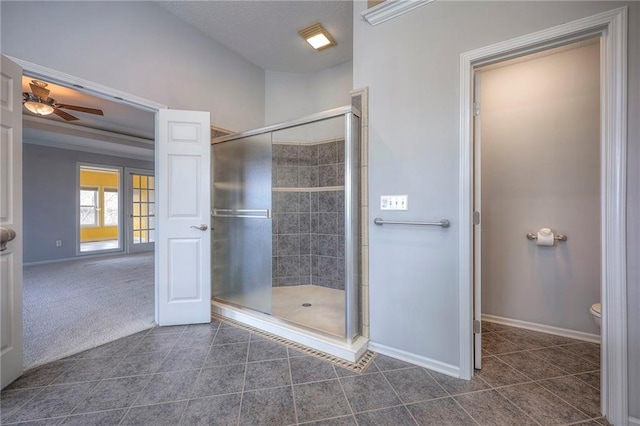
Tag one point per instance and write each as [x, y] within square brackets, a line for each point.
[217, 374]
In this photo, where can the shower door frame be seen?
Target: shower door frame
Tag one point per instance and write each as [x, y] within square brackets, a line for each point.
[353, 275]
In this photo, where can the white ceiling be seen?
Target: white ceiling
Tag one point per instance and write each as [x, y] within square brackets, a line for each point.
[266, 32]
[123, 130]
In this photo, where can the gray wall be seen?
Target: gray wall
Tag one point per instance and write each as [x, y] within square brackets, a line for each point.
[141, 49]
[50, 201]
[541, 168]
[411, 65]
[292, 95]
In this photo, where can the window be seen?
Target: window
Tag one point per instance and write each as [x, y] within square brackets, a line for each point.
[110, 207]
[89, 207]
[143, 211]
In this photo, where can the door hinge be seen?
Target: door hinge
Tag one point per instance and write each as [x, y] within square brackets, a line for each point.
[476, 218]
[476, 327]
[476, 109]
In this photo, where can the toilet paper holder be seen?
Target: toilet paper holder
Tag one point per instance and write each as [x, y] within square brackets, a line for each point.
[558, 237]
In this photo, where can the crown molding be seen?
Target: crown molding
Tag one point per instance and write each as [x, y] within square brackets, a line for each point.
[391, 9]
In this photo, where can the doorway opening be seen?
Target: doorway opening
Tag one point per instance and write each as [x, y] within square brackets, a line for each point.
[84, 166]
[610, 27]
[537, 167]
[99, 209]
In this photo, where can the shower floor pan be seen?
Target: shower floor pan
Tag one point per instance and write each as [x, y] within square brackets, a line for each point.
[293, 321]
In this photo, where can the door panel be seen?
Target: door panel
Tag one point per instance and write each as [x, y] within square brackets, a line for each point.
[185, 256]
[11, 350]
[184, 240]
[242, 239]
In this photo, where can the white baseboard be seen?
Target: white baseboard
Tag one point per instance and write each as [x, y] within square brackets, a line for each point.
[79, 257]
[431, 364]
[565, 332]
[634, 422]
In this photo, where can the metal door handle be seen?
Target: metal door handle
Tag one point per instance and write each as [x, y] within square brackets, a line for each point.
[6, 235]
[202, 227]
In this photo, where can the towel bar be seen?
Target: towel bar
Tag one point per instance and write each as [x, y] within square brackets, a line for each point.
[379, 221]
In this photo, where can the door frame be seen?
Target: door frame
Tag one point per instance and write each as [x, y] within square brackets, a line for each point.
[611, 27]
[128, 210]
[113, 95]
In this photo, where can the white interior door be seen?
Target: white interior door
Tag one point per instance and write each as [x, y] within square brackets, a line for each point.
[477, 234]
[183, 252]
[11, 349]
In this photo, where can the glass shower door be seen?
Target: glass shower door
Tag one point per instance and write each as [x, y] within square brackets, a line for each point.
[241, 222]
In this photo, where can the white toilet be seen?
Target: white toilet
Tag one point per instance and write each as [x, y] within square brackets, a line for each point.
[596, 313]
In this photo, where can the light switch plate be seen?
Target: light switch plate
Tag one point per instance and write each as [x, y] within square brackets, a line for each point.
[394, 202]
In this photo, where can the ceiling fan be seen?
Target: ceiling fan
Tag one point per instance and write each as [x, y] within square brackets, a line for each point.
[39, 102]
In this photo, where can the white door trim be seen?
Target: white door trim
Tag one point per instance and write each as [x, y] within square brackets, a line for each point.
[104, 92]
[611, 26]
[86, 86]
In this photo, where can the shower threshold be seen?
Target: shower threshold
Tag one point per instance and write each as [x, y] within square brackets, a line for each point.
[303, 336]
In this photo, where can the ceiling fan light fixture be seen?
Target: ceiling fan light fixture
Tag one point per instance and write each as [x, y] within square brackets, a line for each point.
[39, 108]
[317, 37]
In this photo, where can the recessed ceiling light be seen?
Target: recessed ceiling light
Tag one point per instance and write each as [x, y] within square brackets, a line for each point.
[317, 36]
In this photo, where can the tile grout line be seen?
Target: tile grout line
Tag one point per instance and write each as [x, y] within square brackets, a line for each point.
[397, 394]
[244, 379]
[447, 394]
[538, 381]
[565, 401]
[151, 375]
[463, 409]
[293, 392]
[344, 393]
[193, 388]
[561, 345]
[534, 382]
[517, 407]
[76, 361]
[516, 384]
[525, 373]
[450, 396]
[133, 404]
[584, 381]
[25, 403]
[202, 367]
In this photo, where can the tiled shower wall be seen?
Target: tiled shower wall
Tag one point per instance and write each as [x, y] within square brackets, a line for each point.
[308, 214]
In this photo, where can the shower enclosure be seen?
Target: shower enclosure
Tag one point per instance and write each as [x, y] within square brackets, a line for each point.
[286, 222]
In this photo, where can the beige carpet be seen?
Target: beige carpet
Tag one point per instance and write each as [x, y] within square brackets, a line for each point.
[73, 306]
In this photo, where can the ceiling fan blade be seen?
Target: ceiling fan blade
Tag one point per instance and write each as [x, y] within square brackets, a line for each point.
[81, 109]
[64, 115]
[40, 92]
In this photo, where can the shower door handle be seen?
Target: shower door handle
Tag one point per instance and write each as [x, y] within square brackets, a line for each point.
[246, 213]
[202, 227]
